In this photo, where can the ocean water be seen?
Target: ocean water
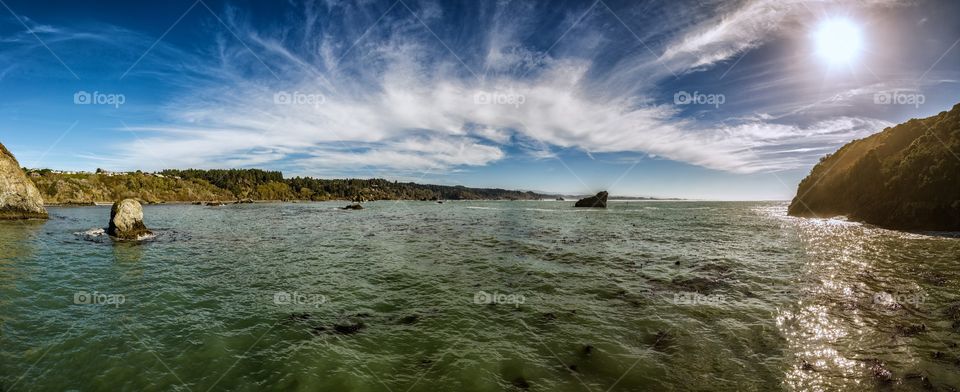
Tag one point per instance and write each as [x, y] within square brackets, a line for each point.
[476, 296]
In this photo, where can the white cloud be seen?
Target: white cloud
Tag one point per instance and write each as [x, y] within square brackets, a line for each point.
[755, 22]
[729, 34]
[410, 105]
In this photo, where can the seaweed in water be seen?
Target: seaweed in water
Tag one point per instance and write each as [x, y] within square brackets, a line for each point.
[879, 370]
[521, 383]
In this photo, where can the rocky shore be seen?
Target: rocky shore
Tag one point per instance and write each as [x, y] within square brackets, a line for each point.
[905, 177]
[19, 197]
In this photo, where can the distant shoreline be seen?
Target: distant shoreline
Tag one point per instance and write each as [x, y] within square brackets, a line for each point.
[70, 189]
[228, 203]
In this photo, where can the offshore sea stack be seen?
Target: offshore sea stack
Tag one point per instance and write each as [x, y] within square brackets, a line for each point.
[126, 220]
[599, 201]
[19, 197]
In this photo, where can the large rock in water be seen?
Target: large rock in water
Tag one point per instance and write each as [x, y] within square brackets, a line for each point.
[600, 201]
[19, 197]
[126, 220]
[906, 177]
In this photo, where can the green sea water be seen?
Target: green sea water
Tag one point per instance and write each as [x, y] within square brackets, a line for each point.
[476, 296]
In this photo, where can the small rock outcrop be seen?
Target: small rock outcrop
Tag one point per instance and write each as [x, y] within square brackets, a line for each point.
[126, 220]
[19, 197]
[599, 201]
[353, 207]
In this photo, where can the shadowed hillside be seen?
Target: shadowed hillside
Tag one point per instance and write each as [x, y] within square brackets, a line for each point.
[905, 177]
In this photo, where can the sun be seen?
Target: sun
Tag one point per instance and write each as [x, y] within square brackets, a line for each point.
[838, 41]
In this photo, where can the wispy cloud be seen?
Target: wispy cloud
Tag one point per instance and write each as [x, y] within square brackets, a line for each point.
[373, 87]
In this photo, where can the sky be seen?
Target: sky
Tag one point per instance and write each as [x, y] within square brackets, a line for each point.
[719, 100]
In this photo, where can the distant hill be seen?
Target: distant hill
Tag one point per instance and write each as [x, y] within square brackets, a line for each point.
[906, 177]
[236, 184]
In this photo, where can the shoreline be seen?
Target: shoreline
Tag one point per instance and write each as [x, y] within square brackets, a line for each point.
[234, 202]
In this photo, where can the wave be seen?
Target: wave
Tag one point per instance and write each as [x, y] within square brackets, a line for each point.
[95, 235]
[100, 235]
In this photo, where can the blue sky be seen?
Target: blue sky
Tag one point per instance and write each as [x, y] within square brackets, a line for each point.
[560, 96]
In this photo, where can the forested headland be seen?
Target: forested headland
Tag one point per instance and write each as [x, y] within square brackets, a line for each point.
[193, 185]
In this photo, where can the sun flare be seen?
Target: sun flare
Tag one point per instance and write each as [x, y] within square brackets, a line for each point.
[838, 41]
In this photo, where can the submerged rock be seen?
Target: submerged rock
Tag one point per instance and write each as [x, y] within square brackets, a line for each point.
[662, 340]
[587, 350]
[19, 197]
[910, 329]
[349, 328]
[353, 207]
[698, 284]
[521, 383]
[126, 220]
[410, 320]
[299, 317]
[599, 201]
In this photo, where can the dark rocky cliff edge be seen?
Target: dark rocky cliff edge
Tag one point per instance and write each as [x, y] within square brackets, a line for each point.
[906, 177]
[19, 198]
